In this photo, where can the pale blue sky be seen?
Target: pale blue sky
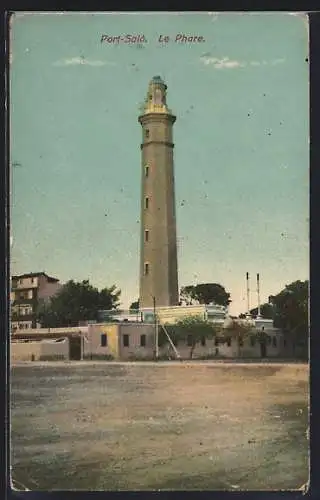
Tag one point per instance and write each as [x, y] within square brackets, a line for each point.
[241, 146]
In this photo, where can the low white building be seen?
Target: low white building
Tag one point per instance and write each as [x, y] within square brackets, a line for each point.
[170, 314]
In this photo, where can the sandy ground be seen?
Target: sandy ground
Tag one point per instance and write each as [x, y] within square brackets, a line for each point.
[142, 426]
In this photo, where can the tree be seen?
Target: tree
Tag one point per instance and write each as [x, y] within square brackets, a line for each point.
[75, 302]
[191, 329]
[205, 293]
[135, 306]
[237, 330]
[291, 312]
[266, 311]
[187, 295]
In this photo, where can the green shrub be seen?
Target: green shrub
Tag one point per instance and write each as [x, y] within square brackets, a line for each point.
[98, 357]
[211, 356]
[137, 357]
[52, 357]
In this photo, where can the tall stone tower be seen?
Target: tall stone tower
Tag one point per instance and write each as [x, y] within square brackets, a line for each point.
[158, 247]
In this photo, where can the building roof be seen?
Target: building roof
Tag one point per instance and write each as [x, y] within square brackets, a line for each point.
[35, 275]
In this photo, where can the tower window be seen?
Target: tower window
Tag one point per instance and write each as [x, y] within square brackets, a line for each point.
[146, 235]
[147, 133]
[146, 171]
[146, 204]
[146, 268]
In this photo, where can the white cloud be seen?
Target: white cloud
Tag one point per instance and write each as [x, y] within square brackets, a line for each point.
[225, 62]
[277, 61]
[221, 63]
[75, 61]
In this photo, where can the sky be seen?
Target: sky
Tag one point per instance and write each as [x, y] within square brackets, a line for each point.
[241, 97]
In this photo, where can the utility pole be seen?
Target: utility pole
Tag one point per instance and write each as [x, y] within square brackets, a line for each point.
[81, 345]
[156, 330]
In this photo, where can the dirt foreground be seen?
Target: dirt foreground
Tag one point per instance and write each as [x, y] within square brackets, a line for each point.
[146, 426]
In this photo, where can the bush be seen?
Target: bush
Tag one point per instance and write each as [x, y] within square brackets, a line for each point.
[211, 356]
[137, 357]
[52, 357]
[98, 357]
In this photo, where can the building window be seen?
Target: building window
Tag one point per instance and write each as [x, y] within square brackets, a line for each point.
[274, 341]
[146, 203]
[147, 133]
[284, 343]
[146, 171]
[146, 235]
[32, 280]
[189, 340]
[143, 340]
[269, 339]
[146, 268]
[240, 340]
[252, 341]
[216, 341]
[229, 341]
[203, 341]
[104, 341]
[125, 340]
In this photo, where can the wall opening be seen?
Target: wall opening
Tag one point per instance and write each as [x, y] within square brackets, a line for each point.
[75, 348]
[143, 339]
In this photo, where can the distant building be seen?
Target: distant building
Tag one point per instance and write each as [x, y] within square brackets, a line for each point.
[170, 314]
[27, 292]
[128, 340]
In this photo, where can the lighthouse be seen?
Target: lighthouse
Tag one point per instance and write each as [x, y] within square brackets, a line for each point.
[158, 245]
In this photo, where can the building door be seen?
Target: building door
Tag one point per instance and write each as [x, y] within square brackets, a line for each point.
[75, 348]
[263, 349]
